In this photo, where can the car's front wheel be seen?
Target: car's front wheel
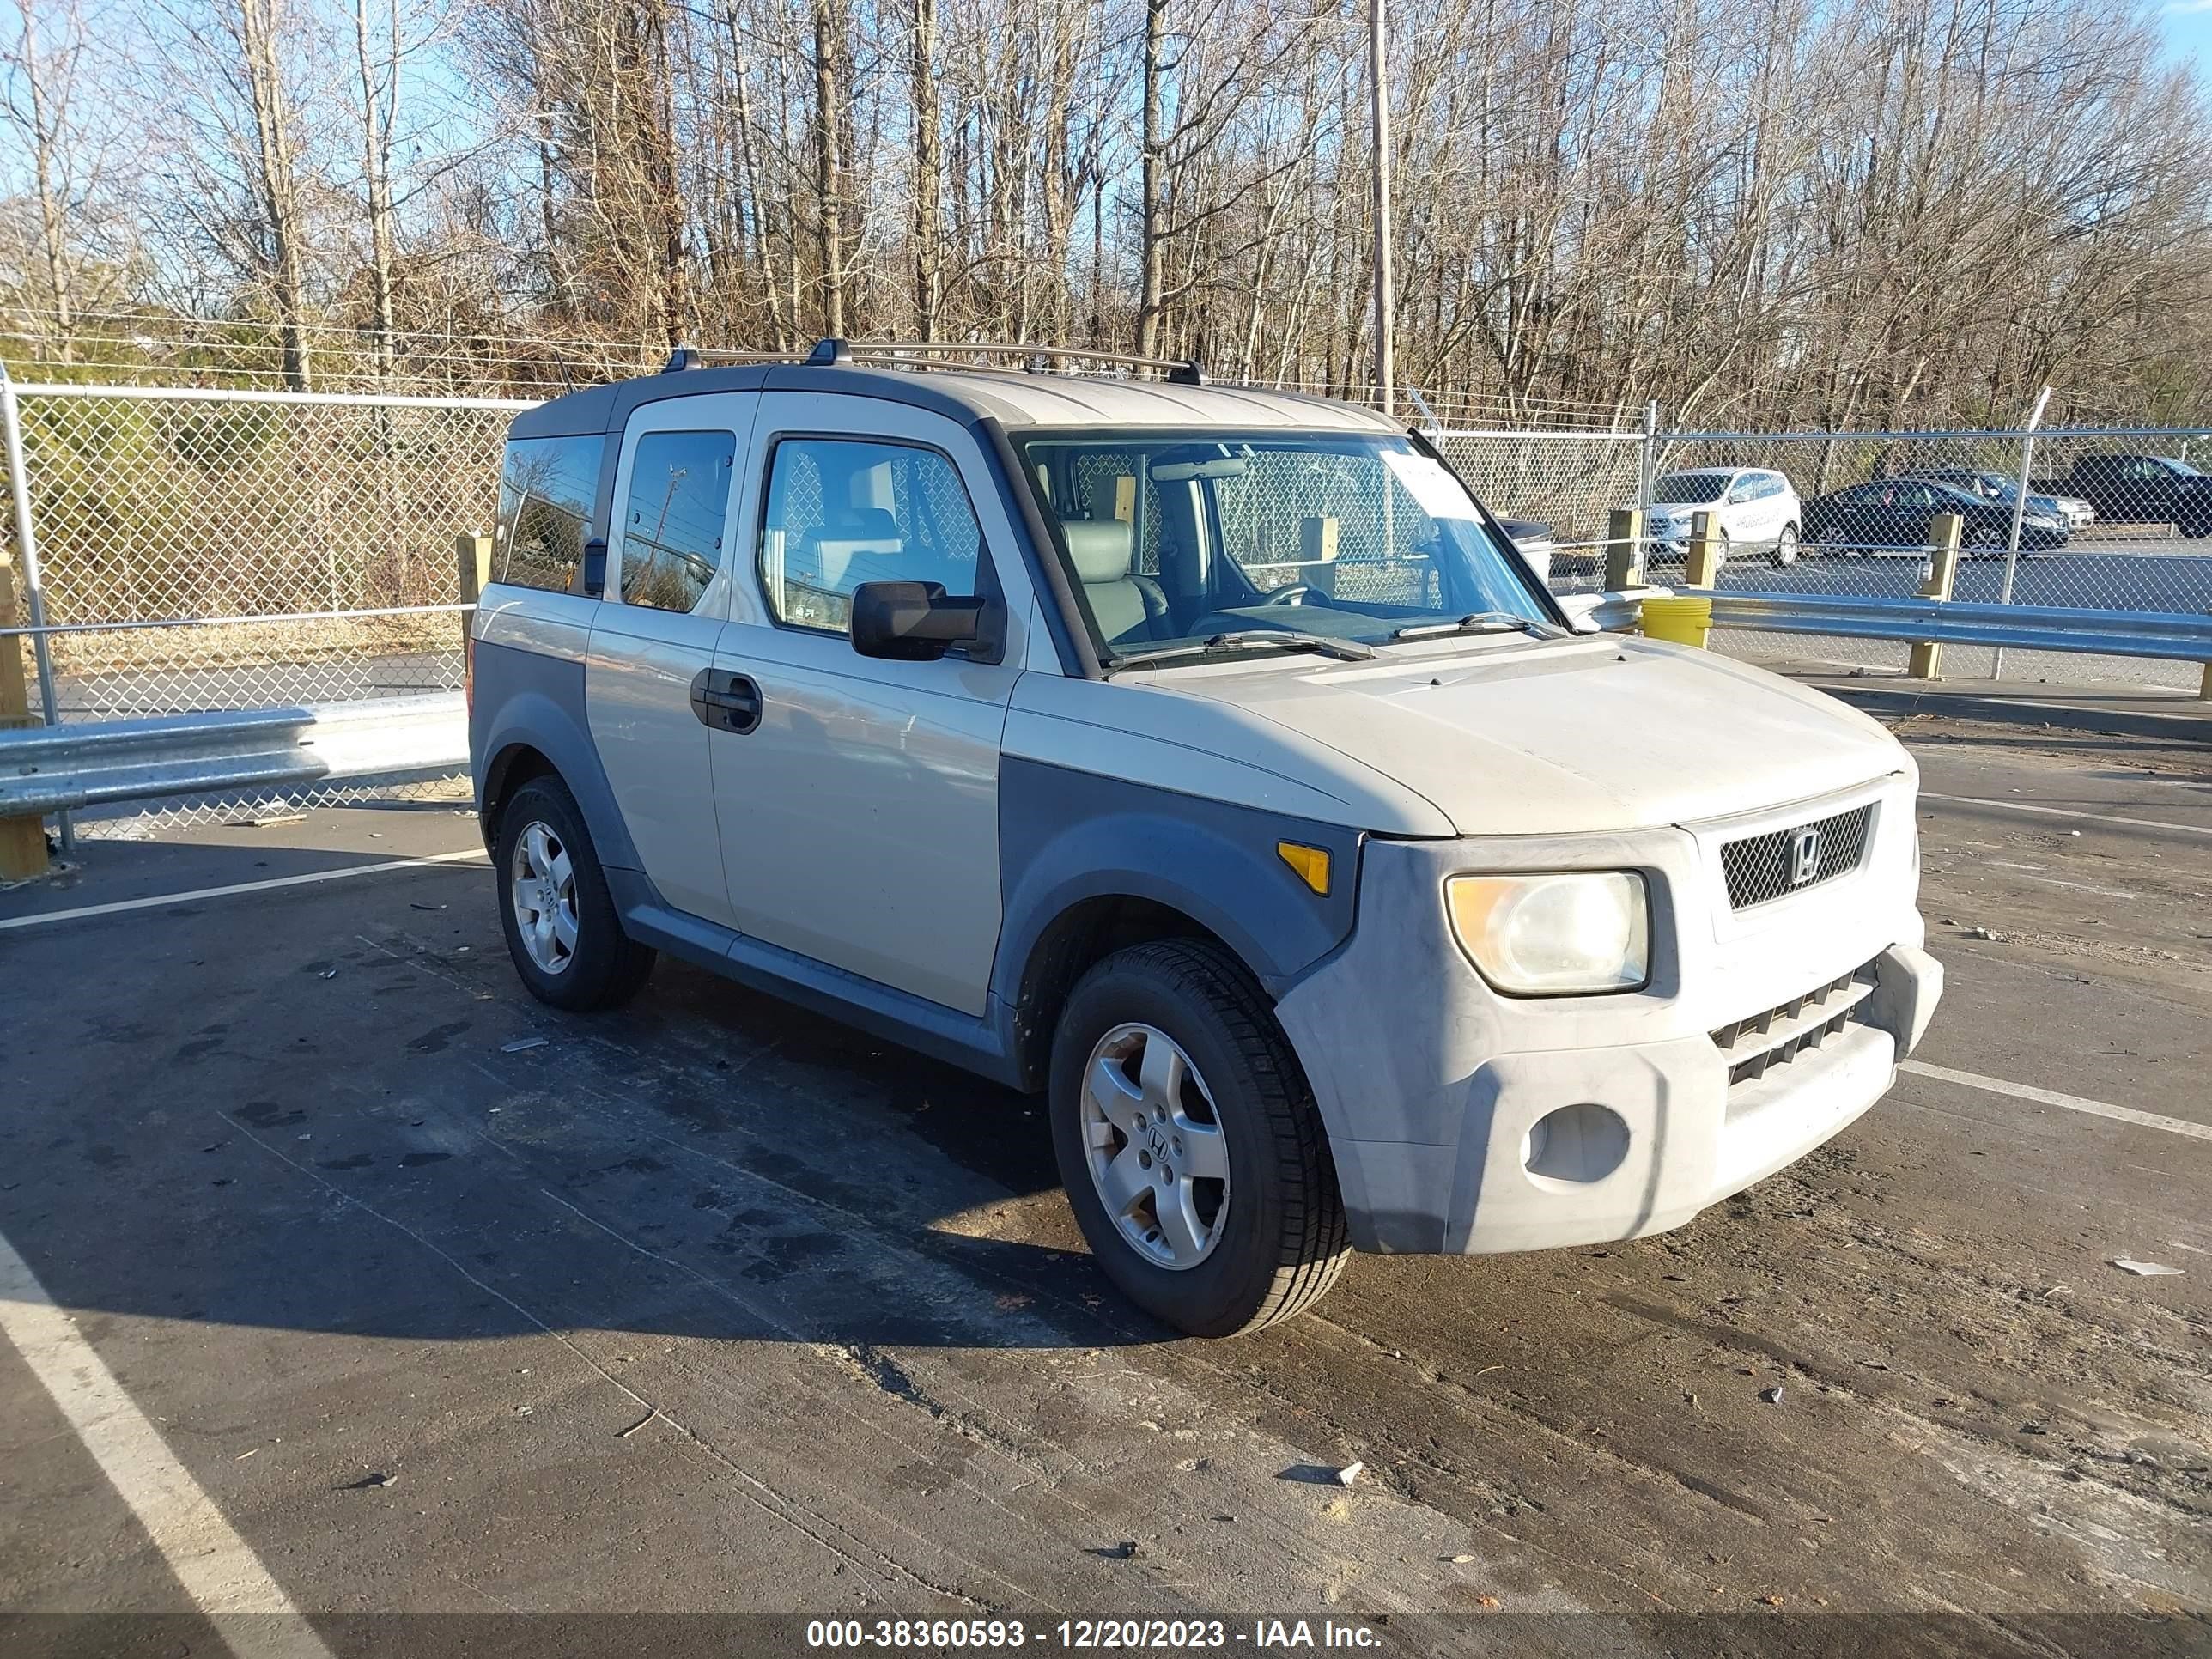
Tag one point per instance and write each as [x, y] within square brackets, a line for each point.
[1192, 1154]
[561, 927]
[1985, 541]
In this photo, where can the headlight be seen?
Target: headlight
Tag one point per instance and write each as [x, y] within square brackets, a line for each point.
[1554, 935]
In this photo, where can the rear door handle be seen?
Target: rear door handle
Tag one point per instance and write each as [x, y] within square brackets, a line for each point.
[725, 702]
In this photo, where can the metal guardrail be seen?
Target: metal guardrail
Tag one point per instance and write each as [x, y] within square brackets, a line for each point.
[61, 768]
[2170, 636]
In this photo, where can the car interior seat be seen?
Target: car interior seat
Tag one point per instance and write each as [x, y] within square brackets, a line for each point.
[854, 545]
[1126, 605]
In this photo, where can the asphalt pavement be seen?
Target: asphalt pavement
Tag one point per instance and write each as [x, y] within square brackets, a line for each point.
[357, 1298]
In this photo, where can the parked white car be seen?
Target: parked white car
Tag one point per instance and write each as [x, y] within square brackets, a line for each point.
[1757, 511]
[1376, 909]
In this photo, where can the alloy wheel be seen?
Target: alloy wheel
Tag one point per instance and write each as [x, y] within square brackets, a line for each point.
[1154, 1146]
[542, 881]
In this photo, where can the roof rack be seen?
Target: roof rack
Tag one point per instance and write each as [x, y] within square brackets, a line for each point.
[684, 357]
[918, 354]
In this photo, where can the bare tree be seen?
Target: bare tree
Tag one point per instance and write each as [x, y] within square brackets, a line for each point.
[274, 171]
[70, 150]
[1796, 210]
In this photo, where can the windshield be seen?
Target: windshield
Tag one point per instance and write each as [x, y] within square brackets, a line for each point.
[1677, 487]
[1176, 539]
[1974, 483]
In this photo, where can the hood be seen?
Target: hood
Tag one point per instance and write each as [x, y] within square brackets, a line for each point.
[1564, 736]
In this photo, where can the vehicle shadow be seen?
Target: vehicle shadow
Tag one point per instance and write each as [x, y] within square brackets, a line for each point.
[361, 1125]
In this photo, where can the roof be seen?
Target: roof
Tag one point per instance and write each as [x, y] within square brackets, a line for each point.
[1710, 472]
[1015, 397]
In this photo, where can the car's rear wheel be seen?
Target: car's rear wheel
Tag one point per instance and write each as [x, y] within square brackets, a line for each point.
[1192, 1154]
[1785, 547]
[561, 924]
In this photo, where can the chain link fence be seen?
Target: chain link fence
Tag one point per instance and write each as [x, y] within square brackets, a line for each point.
[274, 521]
[2110, 519]
[264, 518]
[1572, 481]
[295, 542]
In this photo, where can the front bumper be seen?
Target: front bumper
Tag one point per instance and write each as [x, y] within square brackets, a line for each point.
[1430, 1083]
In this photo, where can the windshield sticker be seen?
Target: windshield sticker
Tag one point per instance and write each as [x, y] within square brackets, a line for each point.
[1434, 490]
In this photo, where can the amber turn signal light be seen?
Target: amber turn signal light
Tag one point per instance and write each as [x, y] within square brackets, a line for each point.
[1311, 863]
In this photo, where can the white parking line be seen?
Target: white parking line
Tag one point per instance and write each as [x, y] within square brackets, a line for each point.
[2067, 812]
[466, 855]
[2172, 1125]
[217, 1568]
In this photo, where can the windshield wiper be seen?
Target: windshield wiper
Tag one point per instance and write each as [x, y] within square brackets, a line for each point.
[1247, 639]
[1482, 622]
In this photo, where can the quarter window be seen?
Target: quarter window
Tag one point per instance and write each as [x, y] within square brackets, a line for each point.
[673, 521]
[546, 491]
[841, 513]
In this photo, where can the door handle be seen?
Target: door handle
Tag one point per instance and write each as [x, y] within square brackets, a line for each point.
[725, 702]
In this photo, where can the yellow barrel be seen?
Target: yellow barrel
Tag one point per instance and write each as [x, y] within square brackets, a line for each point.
[1684, 621]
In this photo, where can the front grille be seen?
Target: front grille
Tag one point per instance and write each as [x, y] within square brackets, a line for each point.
[1756, 1044]
[1760, 869]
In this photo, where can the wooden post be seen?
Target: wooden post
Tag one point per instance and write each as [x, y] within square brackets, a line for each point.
[22, 840]
[473, 553]
[1926, 662]
[1701, 564]
[1623, 550]
[1317, 542]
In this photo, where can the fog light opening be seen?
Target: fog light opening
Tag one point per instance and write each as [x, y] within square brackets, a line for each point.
[1579, 1143]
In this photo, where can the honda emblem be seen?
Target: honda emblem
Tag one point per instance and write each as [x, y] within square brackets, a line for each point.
[1804, 856]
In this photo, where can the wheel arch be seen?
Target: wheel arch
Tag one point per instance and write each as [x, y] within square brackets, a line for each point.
[505, 772]
[1090, 863]
[1075, 940]
[535, 731]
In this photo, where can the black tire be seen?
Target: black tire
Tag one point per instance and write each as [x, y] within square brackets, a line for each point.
[1791, 539]
[1283, 1241]
[606, 966]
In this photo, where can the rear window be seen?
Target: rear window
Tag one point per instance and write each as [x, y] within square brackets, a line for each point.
[1683, 488]
[546, 493]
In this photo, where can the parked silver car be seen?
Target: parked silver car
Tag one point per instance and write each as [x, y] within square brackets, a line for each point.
[1207, 760]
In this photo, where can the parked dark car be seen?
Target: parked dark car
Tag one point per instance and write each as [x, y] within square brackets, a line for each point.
[1996, 487]
[2143, 490]
[1899, 513]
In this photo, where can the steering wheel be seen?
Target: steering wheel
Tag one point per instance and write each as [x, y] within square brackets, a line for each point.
[1296, 593]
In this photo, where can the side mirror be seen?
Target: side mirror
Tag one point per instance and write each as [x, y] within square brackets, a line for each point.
[915, 622]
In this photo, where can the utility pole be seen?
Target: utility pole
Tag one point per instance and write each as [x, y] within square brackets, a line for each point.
[1379, 106]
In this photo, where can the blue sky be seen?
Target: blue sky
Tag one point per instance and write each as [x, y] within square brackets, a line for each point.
[2188, 26]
